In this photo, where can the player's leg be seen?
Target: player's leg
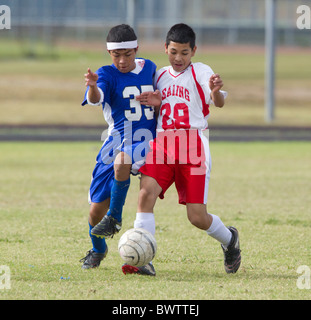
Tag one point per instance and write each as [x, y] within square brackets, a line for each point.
[98, 211]
[99, 198]
[192, 183]
[214, 227]
[112, 222]
[156, 179]
[121, 183]
[100, 248]
[196, 180]
[198, 216]
[148, 194]
[193, 191]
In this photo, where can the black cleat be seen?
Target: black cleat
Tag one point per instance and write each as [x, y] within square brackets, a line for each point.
[93, 259]
[106, 228]
[147, 270]
[232, 254]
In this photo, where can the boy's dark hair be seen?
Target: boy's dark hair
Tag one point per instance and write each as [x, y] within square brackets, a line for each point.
[181, 33]
[120, 33]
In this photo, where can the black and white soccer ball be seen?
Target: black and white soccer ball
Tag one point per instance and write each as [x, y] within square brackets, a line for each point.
[137, 247]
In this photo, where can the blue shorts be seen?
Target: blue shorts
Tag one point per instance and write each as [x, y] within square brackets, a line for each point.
[102, 180]
[103, 173]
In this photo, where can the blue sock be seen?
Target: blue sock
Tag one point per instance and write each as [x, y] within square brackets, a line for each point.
[118, 194]
[99, 245]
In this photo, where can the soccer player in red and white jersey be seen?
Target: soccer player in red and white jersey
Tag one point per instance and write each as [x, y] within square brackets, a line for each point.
[180, 153]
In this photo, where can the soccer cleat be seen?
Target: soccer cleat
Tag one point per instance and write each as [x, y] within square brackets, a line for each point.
[147, 270]
[93, 259]
[232, 254]
[107, 227]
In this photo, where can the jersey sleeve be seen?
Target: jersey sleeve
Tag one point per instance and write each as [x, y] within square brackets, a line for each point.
[153, 68]
[158, 75]
[204, 72]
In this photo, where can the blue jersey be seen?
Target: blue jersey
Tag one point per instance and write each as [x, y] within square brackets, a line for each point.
[130, 125]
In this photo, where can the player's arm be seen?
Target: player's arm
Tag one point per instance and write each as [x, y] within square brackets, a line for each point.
[215, 84]
[94, 95]
[150, 98]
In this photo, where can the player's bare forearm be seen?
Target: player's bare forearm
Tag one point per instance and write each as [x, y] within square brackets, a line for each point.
[93, 94]
[91, 82]
[218, 99]
[215, 84]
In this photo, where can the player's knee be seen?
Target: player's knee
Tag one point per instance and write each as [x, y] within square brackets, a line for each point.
[94, 217]
[146, 200]
[198, 218]
[97, 212]
[146, 195]
[195, 220]
[122, 171]
[122, 166]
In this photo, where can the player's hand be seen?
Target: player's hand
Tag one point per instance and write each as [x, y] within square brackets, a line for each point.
[215, 82]
[90, 78]
[150, 98]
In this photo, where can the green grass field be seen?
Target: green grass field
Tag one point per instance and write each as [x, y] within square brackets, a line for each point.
[261, 188]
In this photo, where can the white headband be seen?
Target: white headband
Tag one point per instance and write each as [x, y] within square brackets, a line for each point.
[122, 45]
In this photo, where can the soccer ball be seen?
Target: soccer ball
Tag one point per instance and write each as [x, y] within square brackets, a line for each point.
[137, 247]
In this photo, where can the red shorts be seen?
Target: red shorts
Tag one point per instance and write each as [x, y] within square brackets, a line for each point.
[183, 157]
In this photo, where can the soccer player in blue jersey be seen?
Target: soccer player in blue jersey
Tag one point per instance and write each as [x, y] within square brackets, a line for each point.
[131, 125]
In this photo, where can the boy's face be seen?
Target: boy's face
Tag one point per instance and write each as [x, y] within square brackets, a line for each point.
[179, 55]
[124, 59]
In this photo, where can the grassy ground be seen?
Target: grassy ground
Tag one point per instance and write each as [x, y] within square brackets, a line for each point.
[44, 90]
[261, 188]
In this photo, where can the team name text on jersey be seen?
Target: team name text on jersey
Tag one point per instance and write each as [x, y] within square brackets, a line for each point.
[175, 90]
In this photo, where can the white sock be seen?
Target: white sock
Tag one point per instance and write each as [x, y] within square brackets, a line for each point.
[219, 231]
[146, 221]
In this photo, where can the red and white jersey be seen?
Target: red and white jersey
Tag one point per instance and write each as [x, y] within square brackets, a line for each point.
[185, 97]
